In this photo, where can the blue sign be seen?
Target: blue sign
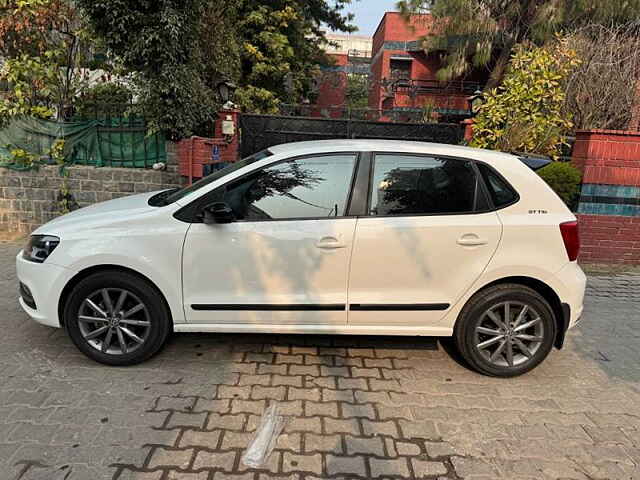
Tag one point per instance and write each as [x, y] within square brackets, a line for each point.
[215, 153]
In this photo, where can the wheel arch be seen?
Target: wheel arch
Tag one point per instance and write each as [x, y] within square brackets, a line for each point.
[560, 310]
[82, 274]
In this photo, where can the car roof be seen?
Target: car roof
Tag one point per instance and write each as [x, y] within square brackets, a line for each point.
[398, 146]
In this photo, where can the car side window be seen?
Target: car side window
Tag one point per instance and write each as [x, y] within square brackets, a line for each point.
[501, 192]
[310, 187]
[415, 185]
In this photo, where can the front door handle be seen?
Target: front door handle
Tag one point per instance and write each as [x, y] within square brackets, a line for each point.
[330, 243]
[472, 240]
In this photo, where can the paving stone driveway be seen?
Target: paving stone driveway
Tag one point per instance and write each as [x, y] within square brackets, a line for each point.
[359, 407]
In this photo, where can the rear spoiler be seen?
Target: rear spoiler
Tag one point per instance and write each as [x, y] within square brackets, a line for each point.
[534, 162]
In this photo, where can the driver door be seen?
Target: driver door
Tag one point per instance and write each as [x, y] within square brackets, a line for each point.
[285, 258]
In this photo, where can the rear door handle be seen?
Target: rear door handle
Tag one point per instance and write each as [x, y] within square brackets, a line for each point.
[472, 240]
[330, 243]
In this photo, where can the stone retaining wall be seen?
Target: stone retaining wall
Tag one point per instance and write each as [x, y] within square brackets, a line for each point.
[29, 199]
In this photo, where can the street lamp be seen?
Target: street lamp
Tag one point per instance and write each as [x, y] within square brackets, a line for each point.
[475, 101]
[225, 90]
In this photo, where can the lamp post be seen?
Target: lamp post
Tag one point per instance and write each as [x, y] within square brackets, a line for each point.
[475, 101]
[226, 90]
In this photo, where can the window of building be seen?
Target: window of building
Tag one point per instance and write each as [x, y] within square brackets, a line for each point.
[400, 69]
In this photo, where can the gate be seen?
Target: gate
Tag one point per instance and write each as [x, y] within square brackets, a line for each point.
[262, 131]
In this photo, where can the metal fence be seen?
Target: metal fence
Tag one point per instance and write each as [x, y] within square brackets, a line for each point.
[262, 131]
[447, 108]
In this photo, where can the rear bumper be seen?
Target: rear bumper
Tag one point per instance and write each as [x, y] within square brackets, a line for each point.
[44, 282]
[570, 286]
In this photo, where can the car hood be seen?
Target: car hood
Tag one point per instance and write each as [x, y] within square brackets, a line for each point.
[102, 213]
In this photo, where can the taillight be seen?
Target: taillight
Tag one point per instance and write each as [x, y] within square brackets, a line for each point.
[571, 239]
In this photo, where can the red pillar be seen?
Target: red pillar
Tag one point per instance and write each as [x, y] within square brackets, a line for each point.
[195, 152]
[468, 129]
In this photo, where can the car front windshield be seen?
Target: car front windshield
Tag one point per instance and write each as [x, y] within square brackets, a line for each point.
[203, 182]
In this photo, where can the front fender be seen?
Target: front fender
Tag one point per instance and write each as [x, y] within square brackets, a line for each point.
[156, 255]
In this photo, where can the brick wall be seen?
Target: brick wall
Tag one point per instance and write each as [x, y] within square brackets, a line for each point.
[609, 239]
[610, 163]
[609, 207]
[332, 90]
[196, 152]
[29, 199]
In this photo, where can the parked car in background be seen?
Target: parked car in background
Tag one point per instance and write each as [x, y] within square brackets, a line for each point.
[330, 237]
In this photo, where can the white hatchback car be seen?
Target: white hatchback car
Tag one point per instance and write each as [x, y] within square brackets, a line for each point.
[334, 237]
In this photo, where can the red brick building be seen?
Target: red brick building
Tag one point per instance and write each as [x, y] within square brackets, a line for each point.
[351, 55]
[403, 76]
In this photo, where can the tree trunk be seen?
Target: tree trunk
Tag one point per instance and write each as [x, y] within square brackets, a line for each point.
[500, 67]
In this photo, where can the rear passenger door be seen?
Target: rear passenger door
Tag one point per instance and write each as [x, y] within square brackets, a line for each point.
[426, 237]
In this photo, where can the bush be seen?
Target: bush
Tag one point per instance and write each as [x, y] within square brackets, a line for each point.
[525, 113]
[565, 180]
[104, 100]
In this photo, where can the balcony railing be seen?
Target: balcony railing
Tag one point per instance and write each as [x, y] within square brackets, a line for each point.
[422, 87]
[355, 53]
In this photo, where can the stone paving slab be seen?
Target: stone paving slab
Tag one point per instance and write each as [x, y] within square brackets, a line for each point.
[358, 407]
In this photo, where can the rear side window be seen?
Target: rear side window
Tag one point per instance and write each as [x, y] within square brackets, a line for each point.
[414, 185]
[500, 191]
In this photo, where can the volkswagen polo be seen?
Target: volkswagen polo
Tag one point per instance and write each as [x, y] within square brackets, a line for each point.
[329, 237]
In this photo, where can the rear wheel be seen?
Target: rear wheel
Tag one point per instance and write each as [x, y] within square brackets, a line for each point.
[116, 318]
[505, 330]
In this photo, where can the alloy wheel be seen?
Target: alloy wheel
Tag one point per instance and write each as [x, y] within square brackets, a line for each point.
[509, 334]
[114, 321]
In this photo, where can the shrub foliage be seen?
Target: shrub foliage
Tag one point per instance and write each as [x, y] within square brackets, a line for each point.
[526, 112]
[564, 179]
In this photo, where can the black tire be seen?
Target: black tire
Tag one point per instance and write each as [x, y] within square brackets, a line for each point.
[153, 320]
[475, 315]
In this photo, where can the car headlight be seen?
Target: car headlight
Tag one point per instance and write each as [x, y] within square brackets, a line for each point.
[40, 247]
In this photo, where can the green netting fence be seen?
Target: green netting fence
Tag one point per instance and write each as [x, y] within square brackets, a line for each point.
[113, 142]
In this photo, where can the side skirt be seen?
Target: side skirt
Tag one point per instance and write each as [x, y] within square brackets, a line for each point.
[315, 329]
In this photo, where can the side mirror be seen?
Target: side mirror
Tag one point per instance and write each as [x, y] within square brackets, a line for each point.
[218, 212]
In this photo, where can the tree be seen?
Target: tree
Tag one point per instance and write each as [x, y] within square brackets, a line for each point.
[281, 44]
[479, 33]
[357, 95]
[158, 43]
[30, 89]
[603, 90]
[45, 50]
[25, 25]
[179, 51]
[526, 113]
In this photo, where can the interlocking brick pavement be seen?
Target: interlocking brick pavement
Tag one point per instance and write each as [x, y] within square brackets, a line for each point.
[359, 407]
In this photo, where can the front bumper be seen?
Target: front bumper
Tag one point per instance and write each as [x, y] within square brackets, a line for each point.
[45, 282]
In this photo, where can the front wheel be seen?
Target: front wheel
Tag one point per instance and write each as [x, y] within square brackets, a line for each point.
[116, 318]
[505, 330]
